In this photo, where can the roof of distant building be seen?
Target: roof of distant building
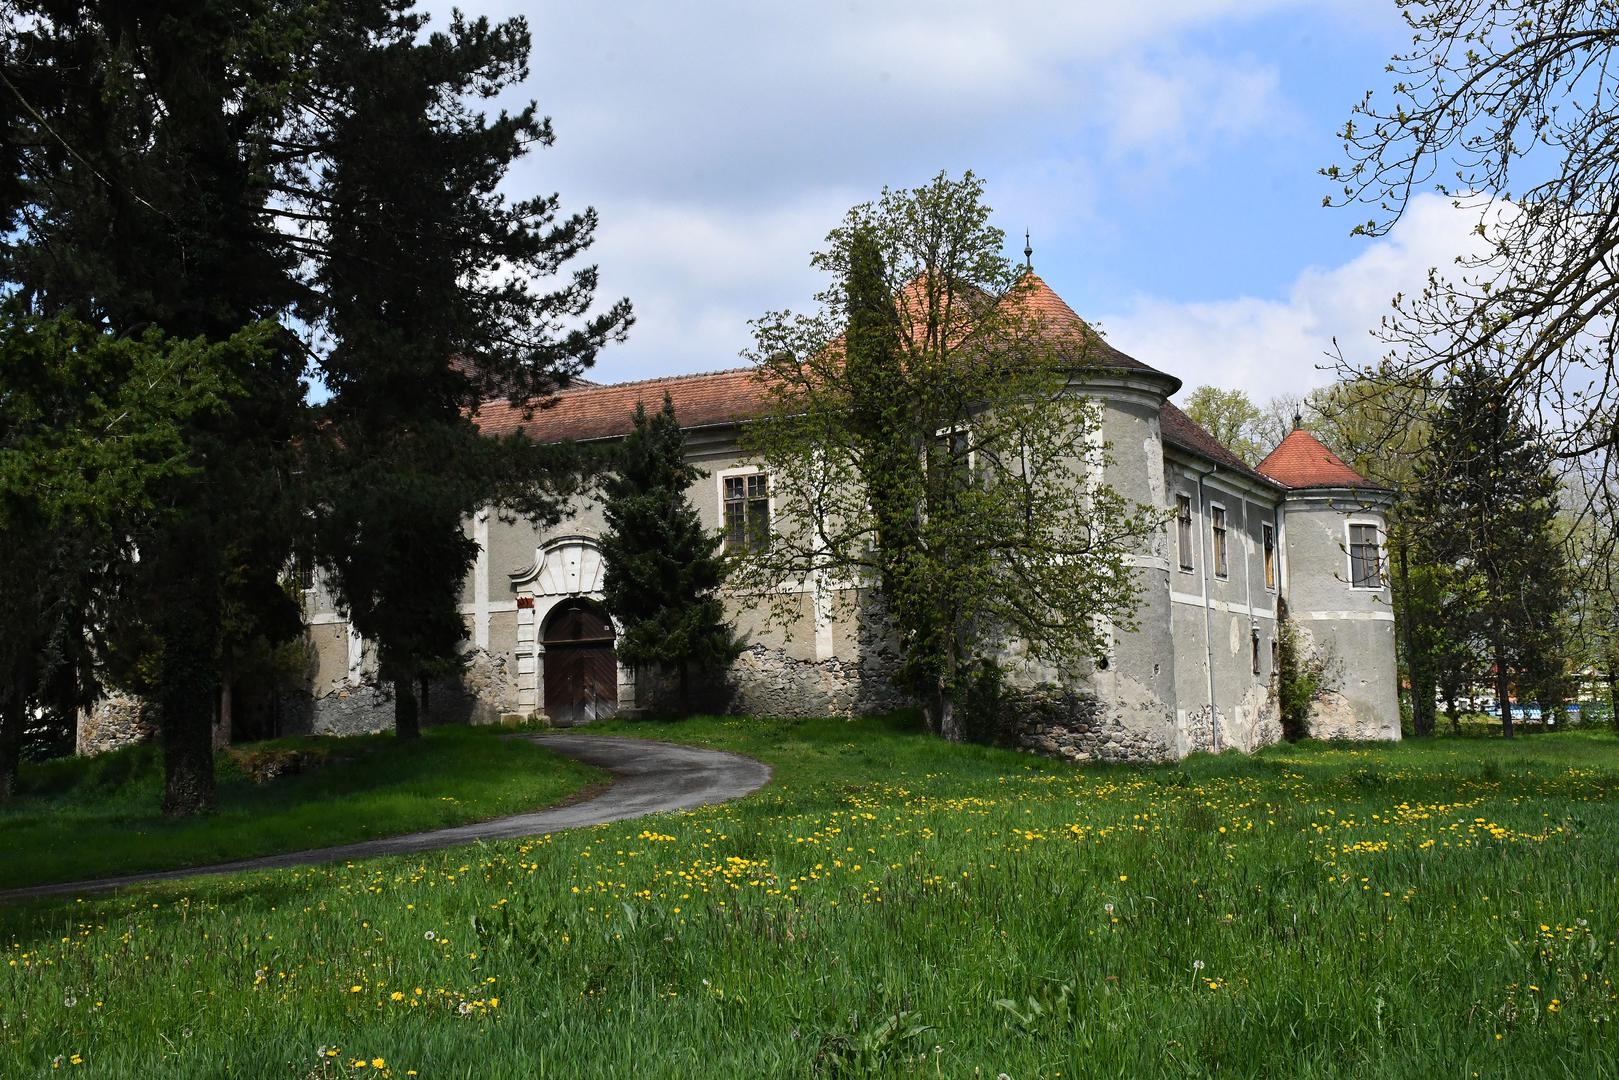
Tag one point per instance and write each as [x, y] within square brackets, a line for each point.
[584, 413]
[1181, 430]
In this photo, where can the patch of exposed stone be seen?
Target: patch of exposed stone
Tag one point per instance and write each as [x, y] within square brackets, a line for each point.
[768, 682]
[1334, 716]
[113, 722]
[1073, 724]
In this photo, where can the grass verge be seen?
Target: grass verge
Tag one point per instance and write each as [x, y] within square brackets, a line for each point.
[80, 818]
[891, 905]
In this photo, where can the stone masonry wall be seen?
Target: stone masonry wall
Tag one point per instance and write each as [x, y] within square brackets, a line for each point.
[112, 723]
[1072, 723]
[768, 682]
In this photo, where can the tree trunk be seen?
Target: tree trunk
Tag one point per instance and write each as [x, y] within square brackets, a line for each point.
[407, 724]
[186, 694]
[1416, 663]
[222, 715]
[942, 716]
[12, 711]
[1451, 714]
[1613, 697]
[685, 689]
[1503, 689]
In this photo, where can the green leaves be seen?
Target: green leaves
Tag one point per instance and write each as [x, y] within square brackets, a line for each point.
[663, 568]
[931, 440]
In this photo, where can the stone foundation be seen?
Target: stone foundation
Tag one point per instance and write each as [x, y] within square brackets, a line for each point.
[1334, 716]
[1070, 722]
[485, 690]
[1074, 725]
[768, 682]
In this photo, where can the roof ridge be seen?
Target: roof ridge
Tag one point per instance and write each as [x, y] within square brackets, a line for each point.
[595, 387]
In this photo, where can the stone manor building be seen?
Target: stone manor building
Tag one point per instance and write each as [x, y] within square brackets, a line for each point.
[1301, 533]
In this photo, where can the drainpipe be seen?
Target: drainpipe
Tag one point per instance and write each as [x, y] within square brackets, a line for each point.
[1206, 544]
[1248, 584]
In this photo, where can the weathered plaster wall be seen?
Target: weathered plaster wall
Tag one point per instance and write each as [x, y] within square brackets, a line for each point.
[1243, 714]
[1352, 629]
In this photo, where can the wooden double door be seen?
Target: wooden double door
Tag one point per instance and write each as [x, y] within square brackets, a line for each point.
[581, 669]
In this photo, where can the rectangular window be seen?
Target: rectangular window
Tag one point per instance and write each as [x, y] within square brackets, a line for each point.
[305, 568]
[1253, 636]
[1269, 532]
[1217, 516]
[952, 463]
[747, 512]
[1183, 530]
[1365, 560]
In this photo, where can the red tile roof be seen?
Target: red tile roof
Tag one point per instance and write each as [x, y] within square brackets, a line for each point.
[1044, 303]
[1181, 430]
[1301, 461]
[601, 412]
[587, 411]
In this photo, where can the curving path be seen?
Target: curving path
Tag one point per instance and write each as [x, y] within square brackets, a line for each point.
[648, 778]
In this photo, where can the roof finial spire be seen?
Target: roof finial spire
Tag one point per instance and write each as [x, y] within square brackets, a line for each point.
[1028, 252]
[1298, 420]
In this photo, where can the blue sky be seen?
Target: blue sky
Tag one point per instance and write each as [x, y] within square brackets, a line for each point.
[1163, 155]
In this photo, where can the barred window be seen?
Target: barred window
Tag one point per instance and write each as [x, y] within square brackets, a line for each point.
[1217, 516]
[747, 512]
[1183, 530]
[1365, 560]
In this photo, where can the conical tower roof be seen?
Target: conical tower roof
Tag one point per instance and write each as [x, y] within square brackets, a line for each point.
[1302, 461]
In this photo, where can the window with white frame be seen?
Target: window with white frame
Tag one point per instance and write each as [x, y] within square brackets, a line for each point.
[1183, 531]
[1268, 532]
[747, 512]
[952, 461]
[1365, 557]
[1217, 520]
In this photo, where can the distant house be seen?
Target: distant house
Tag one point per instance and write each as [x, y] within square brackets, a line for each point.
[1302, 529]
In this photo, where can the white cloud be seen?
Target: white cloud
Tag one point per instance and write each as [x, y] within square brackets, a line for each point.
[720, 141]
[697, 273]
[1169, 108]
[1268, 347]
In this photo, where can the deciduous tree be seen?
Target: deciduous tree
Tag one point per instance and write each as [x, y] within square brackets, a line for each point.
[1232, 418]
[930, 437]
[1509, 110]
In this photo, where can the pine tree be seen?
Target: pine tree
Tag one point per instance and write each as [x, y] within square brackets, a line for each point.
[428, 282]
[145, 202]
[94, 432]
[1487, 484]
[663, 568]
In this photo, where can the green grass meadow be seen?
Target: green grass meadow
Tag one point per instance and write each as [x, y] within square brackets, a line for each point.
[892, 905]
[81, 818]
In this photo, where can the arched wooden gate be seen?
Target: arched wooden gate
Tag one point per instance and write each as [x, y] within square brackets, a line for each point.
[581, 671]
